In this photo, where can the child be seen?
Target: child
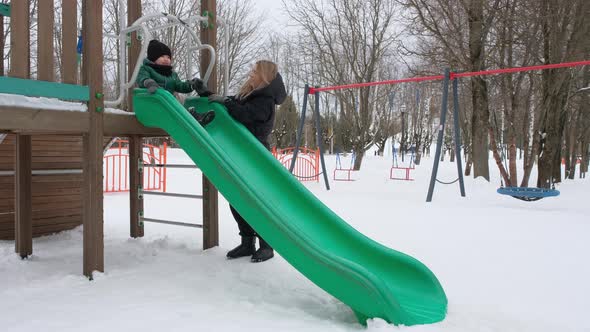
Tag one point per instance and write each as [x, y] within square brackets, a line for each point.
[157, 72]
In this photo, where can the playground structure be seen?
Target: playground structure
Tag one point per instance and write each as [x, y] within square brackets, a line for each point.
[340, 171]
[274, 202]
[306, 165]
[375, 281]
[523, 193]
[395, 167]
[372, 279]
[52, 159]
[116, 162]
[528, 194]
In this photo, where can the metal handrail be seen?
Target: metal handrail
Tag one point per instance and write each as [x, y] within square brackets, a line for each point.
[171, 165]
[138, 25]
[168, 222]
[157, 193]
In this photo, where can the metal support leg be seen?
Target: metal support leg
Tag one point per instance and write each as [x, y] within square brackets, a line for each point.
[319, 138]
[300, 129]
[441, 129]
[457, 135]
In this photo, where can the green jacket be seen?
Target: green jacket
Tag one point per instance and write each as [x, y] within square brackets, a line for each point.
[171, 83]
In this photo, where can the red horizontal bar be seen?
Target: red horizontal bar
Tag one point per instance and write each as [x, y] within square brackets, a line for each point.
[453, 76]
[362, 85]
[519, 69]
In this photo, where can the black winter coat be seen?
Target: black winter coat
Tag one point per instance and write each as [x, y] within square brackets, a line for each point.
[257, 110]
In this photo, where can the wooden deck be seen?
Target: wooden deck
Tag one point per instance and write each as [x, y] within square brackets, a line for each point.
[47, 121]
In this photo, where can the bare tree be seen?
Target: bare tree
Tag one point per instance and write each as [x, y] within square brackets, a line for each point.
[346, 41]
[440, 28]
[284, 132]
[246, 40]
[565, 27]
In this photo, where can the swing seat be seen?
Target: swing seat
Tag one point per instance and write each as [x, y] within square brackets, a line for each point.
[528, 194]
[345, 172]
[406, 171]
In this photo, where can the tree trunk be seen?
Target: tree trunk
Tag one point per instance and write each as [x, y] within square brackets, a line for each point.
[512, 161]
[530, 161]
[381, 146]
[358, 159]
[585, 148]
[468, 165]
[572, 147]
[555, 97]
[418, 158]
[565, 28]
[498, 159]
[511, 131]
[479, 97]
[528, 153]
[567, 152]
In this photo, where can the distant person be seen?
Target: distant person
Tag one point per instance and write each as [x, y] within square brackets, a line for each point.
[157, 72]
[254, 106]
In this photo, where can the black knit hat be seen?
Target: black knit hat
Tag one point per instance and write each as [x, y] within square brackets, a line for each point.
[156, 49]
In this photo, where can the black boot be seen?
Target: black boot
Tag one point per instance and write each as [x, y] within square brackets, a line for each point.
[264, 253]
[246, 248]
[204, 118]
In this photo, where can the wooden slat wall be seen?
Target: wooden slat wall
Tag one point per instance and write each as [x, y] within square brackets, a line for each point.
[57, 202]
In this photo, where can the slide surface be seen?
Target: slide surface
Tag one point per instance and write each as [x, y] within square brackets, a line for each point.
[374, 280]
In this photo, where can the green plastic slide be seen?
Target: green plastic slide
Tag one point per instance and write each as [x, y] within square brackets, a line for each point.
[375, 281]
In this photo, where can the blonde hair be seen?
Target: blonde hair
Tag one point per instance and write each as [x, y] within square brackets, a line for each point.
[266, 71]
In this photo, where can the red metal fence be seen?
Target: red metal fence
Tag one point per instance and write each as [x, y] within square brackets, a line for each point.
[116, 167]
[306, 166]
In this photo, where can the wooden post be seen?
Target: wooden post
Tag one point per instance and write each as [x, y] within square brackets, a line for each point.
[93, 141]
[2, 45]
[24, 220]
[20, 67]
[135, 142]
[45, 41]
[135, 181]
[210, 197]
[69, 36]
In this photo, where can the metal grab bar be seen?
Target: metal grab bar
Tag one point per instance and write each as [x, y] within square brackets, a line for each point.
[157, 193]
[168, 222]
[171, 166]
[138, 25]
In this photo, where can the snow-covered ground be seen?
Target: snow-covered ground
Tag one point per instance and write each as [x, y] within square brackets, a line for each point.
[506, 265]
[50, 104]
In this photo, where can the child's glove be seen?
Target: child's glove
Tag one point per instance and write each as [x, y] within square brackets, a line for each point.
[217, 99]
[150, 85]
[200, 88]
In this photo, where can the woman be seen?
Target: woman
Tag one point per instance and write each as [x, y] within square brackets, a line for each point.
[254, 107]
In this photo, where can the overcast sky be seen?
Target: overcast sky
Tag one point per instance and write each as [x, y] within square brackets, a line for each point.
[273, 9]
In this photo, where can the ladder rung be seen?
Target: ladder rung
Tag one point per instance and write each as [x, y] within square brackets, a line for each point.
[157, 193]
[170, 166]
[170, 222]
